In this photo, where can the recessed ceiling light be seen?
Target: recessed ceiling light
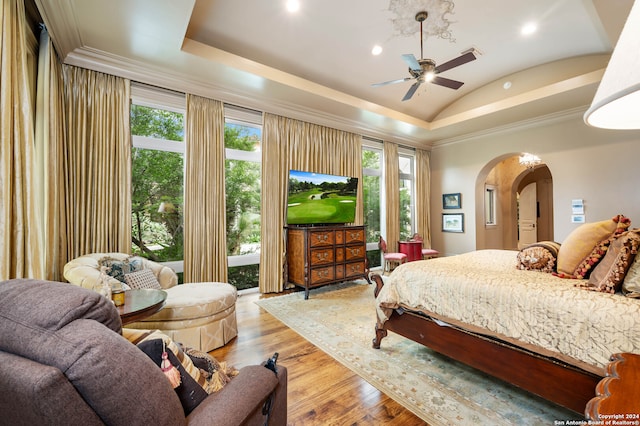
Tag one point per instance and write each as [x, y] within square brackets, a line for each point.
[293, 5]
[377, 49]
[506, 85]
[529, 29]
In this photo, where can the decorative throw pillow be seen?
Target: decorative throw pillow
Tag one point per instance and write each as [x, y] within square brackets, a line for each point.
[631, 283]
[142, 279]
[118, 268]
[540, 256]
[588, 264]
[607, 277]
[582, 240]
[207, 372]
[189, 391]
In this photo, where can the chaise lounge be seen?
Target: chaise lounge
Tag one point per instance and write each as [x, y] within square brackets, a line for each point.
[199, 315]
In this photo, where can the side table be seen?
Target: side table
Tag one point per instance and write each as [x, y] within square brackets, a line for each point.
[413, 249]
[141, 303]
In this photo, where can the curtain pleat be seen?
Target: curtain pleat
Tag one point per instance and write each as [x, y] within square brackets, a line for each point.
[392, 192]
[21, 252]
[51, 149]
[423, 196]
[205, 246]
[98, 163]
[293, 144]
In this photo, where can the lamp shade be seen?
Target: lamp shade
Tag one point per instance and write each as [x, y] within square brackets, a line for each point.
[616, 104]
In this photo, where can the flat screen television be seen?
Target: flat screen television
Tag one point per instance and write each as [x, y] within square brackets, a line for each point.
[320, 199]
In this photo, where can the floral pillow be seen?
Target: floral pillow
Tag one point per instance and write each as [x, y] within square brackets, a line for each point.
[118, 268]
[540, 256]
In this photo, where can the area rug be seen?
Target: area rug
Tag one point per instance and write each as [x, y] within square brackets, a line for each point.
[340, 320]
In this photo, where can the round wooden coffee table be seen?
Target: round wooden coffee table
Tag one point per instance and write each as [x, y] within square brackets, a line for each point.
[141, 303]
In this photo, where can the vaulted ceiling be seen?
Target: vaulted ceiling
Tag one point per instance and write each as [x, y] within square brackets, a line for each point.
[316, 64]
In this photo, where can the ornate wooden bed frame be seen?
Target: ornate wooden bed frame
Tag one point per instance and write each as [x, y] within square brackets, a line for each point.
[548, 378]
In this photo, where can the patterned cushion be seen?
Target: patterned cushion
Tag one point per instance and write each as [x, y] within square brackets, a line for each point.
[577, 246]
[200, 373]
[631, 283]
[395, 256]
[119, 268]
[540, 256]
[142, 279]
[607, 277]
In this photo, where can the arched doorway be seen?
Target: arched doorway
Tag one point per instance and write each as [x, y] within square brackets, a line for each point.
[501, 182]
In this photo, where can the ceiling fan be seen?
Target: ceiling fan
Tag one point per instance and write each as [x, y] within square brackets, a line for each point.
[426, 70]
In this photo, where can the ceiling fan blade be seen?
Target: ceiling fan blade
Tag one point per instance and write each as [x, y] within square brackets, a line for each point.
[447, 82]
[460, 60]
[411, 91]
[400, 80]
[412, 62]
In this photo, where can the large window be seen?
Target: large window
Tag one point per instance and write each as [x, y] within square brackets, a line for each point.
[372, 194]
[157, 128]
[242, 138]
[407, 194]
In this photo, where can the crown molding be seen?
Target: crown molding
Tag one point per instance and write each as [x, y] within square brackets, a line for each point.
[543, 120]
[66, 36]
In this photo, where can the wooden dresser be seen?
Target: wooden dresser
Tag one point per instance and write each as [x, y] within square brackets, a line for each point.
[320, 255]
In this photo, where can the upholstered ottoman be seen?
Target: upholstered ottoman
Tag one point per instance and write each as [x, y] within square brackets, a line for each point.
[199, 315]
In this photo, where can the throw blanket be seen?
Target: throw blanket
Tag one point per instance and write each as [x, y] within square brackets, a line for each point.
[484, 292]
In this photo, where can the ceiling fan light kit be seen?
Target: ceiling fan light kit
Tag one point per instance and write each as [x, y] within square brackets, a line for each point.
[425, 69]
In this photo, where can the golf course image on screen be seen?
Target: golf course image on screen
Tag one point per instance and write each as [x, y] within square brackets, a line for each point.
[315, 198]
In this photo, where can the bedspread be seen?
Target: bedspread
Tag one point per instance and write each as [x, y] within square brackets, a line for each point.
[484, 291]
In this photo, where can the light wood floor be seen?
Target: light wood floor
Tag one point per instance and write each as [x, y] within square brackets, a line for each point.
[321, 390]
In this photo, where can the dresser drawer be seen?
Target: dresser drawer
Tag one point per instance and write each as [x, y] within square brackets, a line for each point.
[321, 256]
[321, 275]
[321, 238]
[355, 252]
[354, 269]
[353, 236]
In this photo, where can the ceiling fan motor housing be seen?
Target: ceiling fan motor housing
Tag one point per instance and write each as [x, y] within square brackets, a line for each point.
[426, 66]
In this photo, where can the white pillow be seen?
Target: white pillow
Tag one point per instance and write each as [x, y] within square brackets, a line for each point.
[142, 279]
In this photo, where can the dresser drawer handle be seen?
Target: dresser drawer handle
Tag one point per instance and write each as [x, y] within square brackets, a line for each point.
[322, 256]
[322, 238]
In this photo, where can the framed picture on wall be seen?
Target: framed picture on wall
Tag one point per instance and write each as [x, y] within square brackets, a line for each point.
[451, 201]
[452, 222]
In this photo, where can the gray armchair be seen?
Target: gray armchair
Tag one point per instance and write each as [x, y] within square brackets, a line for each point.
[63, 361]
